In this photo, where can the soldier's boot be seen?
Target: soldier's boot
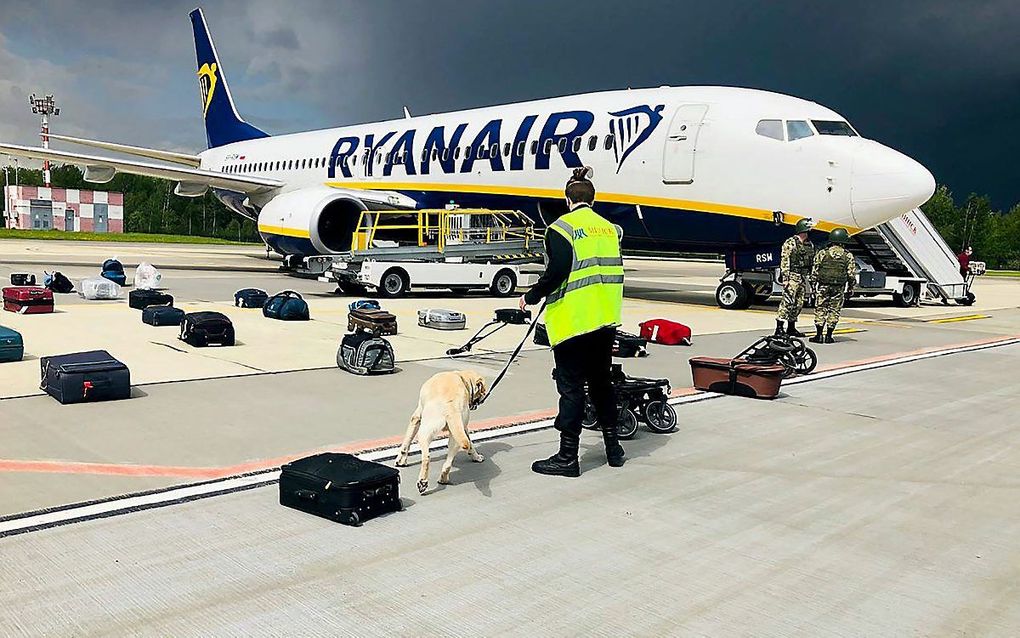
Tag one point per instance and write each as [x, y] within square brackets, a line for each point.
[828, 334]
[564, 462]
[791, 329]
[614, 451]
[779, 328]
[818, 335]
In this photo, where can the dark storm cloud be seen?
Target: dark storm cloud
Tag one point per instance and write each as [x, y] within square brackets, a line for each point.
[938, 80]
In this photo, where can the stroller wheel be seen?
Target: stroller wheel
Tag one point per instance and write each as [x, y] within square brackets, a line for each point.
[660, 417]
[590, 420]
[627, 425]
[806, 362]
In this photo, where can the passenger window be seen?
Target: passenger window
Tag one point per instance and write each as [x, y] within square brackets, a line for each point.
[506, 149]
[547, 147]
[520, 148]
[798, 129]
[446, 154]
[534, 147]
[593, 141]
[354, 160]
[481, 152]
[562, 144]
[456, 153]
[577, 144]
[770, 128]
[494, 150]
[435, 154]
[610, 141]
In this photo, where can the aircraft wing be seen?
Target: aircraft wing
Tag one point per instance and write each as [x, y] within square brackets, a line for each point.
[191, 182]
[167, 156]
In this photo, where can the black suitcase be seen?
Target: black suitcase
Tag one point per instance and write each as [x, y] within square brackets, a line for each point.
[200, 329]
[141, 299]
[340, 487]
[85, 376]
[162, 316]
[22, 279]
[250, 298]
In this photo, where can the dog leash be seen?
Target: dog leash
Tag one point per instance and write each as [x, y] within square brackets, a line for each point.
[513, 355]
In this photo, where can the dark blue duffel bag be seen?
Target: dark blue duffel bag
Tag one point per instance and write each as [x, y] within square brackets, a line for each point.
[287, 306]
[250, 298]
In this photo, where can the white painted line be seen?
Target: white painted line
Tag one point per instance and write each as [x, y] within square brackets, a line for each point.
[175, 495]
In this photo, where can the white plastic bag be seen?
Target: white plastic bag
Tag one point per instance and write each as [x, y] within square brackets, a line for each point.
[98, 288]
[147, 277]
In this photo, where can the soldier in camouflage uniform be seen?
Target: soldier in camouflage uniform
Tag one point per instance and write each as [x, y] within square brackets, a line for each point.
[794, 272]
[835, 274]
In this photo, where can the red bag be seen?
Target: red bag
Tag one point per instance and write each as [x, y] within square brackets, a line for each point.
[28, 300]
[666, 332]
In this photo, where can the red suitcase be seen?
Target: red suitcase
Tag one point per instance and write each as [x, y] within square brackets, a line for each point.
[736, 376]
[28, 300]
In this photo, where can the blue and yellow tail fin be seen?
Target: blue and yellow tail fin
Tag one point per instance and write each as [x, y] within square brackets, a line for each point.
[222, 123]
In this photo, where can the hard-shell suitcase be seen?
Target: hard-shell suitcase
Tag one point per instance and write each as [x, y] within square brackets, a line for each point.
[98, 288]
[340, 487]
[440, 319]
[12, 346]
[378, 322]
[22, 279]
[364, 353]
[142, 299]
[286, 306]
[736, 376]
[28, 300]
[84, 377]
[162, 316]
[250, 298]
[201, 329]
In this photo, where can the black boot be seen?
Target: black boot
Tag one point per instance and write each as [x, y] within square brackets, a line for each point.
[791, 329]
[828, 335]
[818, 335]
[614, 451]
[779, 328]
[564, 462]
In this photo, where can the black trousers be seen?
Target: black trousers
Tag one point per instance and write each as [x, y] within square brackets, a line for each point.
[585, 359]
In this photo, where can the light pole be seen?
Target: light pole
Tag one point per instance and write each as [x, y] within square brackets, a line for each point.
[44, 107]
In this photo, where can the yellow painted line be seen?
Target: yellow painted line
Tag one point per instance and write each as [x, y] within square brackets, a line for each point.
[616, 198]
[958, 319]
[847, 331]
[283, 230]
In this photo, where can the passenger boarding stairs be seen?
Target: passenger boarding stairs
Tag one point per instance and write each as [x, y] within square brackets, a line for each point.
[910, 247]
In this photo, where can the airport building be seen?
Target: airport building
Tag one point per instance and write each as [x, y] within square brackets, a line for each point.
[68, 209]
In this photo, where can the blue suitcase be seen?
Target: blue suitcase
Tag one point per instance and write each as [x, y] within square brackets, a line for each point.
[12, 346]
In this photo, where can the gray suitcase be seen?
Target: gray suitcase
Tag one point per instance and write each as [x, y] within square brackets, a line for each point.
[440, 319]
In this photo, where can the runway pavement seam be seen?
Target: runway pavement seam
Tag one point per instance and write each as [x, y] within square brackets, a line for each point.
[74, 513]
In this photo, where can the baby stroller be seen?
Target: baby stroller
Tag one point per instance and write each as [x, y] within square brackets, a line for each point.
[638, 399]
[789, 352]
[504, 317]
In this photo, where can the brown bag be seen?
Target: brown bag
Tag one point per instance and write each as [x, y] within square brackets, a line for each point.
[378, 322]
[737, 377]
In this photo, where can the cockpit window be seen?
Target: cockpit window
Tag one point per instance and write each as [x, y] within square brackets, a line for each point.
[798, 129]
[828, 127]
[770, 128]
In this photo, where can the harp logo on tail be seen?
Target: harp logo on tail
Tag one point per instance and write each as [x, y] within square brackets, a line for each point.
[631, 127]
[207, 84]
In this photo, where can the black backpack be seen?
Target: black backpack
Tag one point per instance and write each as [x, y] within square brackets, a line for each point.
[57, 282]
[286, 306]
[250, 298]
[365, 353]
[112, 265]
[200, 329]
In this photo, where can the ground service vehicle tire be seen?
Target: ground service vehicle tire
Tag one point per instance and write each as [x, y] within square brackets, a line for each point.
[660, 417]
[910, 296]
[394, 283]
[504, 284]
[731, 295]
[968, 300]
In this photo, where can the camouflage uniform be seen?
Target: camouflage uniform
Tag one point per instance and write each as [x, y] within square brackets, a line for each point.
[795, 269]
[835, 272]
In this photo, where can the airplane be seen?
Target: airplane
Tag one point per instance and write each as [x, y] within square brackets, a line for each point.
[695, 168]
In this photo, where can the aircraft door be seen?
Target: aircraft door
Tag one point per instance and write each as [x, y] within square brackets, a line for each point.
[681, 147]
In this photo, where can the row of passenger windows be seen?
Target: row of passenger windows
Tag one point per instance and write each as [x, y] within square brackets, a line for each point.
[479, 152]
[799, 129]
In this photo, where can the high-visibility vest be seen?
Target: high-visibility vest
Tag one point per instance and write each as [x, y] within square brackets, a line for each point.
[592, 296]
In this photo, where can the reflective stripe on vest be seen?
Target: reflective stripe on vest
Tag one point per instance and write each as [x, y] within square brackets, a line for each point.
[592, 296]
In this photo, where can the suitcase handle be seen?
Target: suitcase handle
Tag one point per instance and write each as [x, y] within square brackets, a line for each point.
[306, 495]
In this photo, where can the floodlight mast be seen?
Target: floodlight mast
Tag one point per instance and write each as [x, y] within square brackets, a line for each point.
[44, 107]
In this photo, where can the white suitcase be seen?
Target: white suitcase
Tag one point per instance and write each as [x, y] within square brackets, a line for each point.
[440, 319]
[98, 288]
[147, 277]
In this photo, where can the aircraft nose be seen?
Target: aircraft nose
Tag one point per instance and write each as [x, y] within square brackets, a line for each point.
[887, 183]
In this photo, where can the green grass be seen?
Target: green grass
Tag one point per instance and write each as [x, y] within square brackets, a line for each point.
[8, 233]
[1002, 273]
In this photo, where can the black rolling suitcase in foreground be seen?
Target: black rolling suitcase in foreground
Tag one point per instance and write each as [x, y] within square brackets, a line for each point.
[142, 298]
[85, 376]
[340, 487]
[200, 329]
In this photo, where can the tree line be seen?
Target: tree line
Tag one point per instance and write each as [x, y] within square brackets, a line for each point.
[150, 205]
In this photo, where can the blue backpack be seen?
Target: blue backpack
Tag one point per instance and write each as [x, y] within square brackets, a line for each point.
[114, 271]
[364, 304]
[286, 306]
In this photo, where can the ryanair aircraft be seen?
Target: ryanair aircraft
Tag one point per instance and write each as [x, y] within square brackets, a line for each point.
[678, 168]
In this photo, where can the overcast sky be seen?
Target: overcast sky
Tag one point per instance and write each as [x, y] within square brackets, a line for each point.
[936, 79]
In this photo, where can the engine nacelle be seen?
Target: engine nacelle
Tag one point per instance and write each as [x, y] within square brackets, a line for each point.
[327, 216]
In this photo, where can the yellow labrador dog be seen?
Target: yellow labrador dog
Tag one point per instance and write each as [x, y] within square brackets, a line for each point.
[444, 407]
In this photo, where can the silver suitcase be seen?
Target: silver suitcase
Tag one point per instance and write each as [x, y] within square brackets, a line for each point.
[440, 319]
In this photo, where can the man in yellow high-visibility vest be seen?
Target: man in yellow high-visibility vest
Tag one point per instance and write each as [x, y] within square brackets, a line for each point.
[583, 289]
